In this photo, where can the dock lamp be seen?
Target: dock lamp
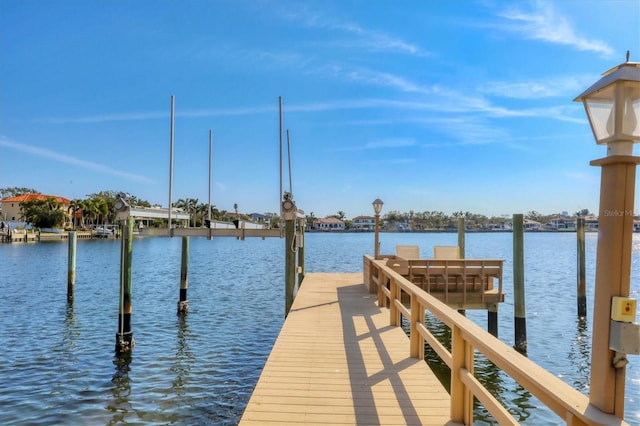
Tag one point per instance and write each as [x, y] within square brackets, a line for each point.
[377, 208]
[612, 105]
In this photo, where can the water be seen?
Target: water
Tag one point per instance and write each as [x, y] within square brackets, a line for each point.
[58, 364]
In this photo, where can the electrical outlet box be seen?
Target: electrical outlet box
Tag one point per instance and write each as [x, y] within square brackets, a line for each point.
[623, 309]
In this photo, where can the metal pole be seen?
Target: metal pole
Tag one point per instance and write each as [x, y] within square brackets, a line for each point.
[582, 281]
[280, 111]
[124, 336]
[289, 160]
[71, 275]
[376, 242]
[183, 302]
[171, 134]
[518, 284]
[210, 158]
[290, 263]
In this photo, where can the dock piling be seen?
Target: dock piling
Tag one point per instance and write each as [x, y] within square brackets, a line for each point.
[290, 263]
[183, 302]
[582, 281]
[124, 336]
[518, 284]
[71, 269]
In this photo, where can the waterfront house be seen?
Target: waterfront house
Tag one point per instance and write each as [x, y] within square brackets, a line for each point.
[329, 224]
[12, 206]
[532, 225]
[364, 223]
[562, 223]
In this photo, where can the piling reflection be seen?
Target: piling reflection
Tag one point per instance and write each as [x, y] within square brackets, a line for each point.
[120, 405]
[579, 355]
[184, 357]
[71, 331]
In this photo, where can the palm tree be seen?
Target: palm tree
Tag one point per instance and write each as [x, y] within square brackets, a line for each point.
[74, 206]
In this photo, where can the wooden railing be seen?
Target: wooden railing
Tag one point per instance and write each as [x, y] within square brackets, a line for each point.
[466, 337]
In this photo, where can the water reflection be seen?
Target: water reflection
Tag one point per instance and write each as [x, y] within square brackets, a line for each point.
[120, 405]
[184, 357]
[579, 355]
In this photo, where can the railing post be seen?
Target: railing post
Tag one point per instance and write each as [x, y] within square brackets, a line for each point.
[417, 317]
[461, 397]
[394, 319]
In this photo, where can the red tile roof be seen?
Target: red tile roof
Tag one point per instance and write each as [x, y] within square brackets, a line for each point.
[30, 197]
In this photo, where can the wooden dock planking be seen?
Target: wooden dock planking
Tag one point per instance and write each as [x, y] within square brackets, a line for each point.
[338, 361]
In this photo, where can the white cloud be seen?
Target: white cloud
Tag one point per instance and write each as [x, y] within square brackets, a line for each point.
[51, 155]
[546, 24]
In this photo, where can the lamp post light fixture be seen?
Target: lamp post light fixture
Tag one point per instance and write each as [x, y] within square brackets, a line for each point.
[377, 208]
[612, 105]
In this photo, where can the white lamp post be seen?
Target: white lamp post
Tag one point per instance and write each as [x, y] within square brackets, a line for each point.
[613, 108]
[377, 208]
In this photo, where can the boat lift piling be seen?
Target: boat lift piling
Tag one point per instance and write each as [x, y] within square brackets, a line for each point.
[582, 281]
[124, 336]
[520, 317]
[71, 273]
[183, 302]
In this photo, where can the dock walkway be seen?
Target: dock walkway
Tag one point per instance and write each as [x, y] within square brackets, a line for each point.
[338, 361]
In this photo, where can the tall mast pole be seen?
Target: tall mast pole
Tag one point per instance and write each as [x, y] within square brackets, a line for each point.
[171, 165]
[280, 110]
[210, 142]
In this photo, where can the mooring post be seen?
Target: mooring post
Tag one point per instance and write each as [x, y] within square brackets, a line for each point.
[492, 319]
[518, 284]
[582, 281]
[290, 263]
[301, 252]
[124, 336]
[71, 266]
[183, 303]
[461, 229]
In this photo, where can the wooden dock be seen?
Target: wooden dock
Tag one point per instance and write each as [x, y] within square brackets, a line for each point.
[338, 361]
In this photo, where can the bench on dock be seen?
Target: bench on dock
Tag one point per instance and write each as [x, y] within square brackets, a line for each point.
[462, 283]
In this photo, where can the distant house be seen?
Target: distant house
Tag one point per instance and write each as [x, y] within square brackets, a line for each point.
[591, 223]
[329, 224]
[562, 223]
[532, 225]
[11, 207]
[257, 217]
[364, 223]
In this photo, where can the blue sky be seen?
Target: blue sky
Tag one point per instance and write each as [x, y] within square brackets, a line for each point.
[429, 105]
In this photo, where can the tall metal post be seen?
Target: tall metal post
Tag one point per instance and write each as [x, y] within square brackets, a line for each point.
[71, 263]
[582, 280]
[124, 336]
[376, 241]
[520, 315]
[183, 302]
[171, 132]
[210, 160]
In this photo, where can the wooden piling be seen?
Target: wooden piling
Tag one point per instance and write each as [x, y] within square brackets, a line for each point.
[461, 249]
[461, 229]
[124, 336]
[183, 302]
[290, 263]
[582, 281]
[518, 284]
[301, 253]
[71, 266]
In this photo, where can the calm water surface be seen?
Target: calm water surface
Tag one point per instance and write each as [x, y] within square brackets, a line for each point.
[58, 364]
